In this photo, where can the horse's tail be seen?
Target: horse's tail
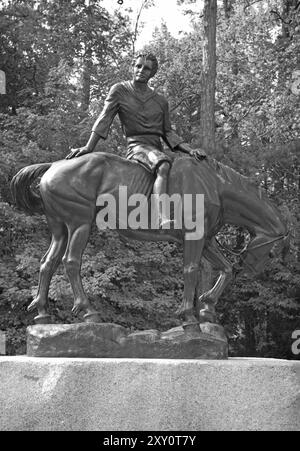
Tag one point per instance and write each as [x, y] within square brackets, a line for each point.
[24, 196]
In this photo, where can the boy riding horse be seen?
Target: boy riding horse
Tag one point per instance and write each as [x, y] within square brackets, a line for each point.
[144, 115]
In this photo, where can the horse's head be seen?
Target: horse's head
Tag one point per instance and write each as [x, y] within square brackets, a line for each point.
[261, 249]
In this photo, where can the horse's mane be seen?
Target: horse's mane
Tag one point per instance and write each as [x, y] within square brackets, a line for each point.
[231, 176]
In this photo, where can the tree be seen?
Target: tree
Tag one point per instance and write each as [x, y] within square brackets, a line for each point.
[207, 116]
[143, 5]
[82, 34]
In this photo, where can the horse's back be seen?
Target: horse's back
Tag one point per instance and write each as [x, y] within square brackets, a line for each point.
[73, 186]
[78, 175]
[69, 187]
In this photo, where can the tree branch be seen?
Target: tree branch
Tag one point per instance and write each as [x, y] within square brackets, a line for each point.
[273, 11]
[251, 3]
[181, 101]
[237, 121]
[136, 28]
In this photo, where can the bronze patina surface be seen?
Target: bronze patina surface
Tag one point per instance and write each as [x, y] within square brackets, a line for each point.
[68, 194]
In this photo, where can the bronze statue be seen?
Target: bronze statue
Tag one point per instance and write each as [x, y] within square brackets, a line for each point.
[144, 115]
[70, 191]
[68, 194]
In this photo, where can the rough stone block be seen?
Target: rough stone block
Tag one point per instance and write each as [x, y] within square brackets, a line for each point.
[112, 340]
[66, 394]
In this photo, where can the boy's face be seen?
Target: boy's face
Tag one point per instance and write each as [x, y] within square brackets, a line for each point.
[142, 70]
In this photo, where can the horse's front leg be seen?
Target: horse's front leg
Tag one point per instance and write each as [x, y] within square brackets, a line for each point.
[209, 299]
[191, 256]
[78, 238]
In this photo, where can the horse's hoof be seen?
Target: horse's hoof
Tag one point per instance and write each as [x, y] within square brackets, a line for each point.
[205, 299]
[192, 329]
[205, 316]
[179, 312]
[33, 305]
[186, 315]
[43, 319]
[91, 318]
[77, 309]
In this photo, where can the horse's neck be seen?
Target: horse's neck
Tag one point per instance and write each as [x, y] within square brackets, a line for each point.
[246, 206]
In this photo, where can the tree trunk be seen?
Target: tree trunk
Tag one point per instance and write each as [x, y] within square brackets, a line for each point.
[289, 11]
[287, 17]
[297, 229]
[87, 58]
[86, 80]
[207, 120]
[228, 7]
[250, 341]
[207, 108]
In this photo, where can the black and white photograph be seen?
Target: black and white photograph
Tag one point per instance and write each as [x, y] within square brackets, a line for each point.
[149, 218]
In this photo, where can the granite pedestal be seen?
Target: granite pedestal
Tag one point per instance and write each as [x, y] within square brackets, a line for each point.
[80, 394]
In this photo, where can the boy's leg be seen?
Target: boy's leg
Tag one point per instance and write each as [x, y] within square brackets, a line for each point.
[160, 188]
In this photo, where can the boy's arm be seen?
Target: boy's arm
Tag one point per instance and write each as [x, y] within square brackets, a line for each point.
[101, 126]
[175, 142]
[89, 147]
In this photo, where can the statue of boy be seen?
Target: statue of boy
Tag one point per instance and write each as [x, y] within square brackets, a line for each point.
[144, 115]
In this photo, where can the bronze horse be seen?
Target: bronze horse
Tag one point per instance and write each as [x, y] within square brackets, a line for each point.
[68, 193]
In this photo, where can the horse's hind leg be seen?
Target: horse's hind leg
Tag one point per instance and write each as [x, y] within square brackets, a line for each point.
[78, 238]
[49, 264]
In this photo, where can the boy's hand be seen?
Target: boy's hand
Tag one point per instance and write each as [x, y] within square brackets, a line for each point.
[77, 152]
[199, 154]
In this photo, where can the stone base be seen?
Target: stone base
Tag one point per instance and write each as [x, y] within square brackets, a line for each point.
[111, 340]
[40, 394]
